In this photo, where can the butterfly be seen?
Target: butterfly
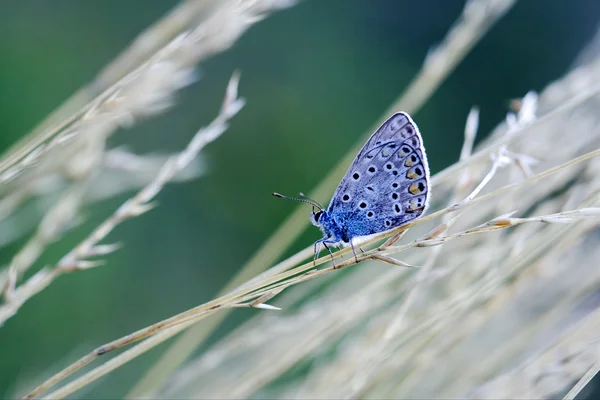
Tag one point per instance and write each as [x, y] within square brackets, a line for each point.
[386, 186]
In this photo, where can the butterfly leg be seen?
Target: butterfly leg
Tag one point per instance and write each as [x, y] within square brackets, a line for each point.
[354, 251]
[325, 241]
[317, 250]
[331, 253]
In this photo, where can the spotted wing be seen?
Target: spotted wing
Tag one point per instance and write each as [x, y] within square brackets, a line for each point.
[387, 184]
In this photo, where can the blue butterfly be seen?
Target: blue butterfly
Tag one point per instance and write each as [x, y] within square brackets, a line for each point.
[386, 186]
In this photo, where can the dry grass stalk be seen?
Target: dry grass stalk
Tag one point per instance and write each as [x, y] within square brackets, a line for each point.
[587, 377]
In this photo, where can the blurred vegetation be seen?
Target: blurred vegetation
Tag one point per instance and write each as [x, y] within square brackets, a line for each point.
[315, 77]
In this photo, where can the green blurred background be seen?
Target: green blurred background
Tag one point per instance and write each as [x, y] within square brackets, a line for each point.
[315, 76]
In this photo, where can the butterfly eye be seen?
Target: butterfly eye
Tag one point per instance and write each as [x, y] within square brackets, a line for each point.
[317, 215]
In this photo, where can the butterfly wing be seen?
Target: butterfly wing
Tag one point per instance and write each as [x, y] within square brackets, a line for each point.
[387, 184]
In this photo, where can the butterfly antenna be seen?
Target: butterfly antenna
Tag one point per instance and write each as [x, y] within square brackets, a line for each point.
[303, 196]
[302, 199]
